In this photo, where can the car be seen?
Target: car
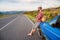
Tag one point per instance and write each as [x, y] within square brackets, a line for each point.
[51, 29]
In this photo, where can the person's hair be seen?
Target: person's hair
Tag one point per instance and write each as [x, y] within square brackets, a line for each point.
[39, 8]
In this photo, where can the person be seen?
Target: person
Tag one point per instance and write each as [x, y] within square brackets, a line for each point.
[38, 20]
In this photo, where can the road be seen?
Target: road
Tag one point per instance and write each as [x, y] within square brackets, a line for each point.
[17, 28]
[6, 20]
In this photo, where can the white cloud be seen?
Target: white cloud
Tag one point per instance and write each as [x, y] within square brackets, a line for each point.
[7, 5]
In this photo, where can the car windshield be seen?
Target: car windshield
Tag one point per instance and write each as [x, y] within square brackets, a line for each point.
[57, 24]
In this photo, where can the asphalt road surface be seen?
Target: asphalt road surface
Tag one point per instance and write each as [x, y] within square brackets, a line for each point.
[4, 21]
[16, 28]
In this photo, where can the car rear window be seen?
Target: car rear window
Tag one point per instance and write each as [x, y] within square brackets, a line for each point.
[57, 24]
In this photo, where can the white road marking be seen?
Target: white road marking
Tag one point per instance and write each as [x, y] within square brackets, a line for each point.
[14, 20]
[8, 23]
[29, 19]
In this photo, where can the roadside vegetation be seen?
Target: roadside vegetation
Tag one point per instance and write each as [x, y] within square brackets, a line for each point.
[50, 13]
[2, 16]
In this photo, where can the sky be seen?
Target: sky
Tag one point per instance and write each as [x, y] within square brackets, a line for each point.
[27, 5]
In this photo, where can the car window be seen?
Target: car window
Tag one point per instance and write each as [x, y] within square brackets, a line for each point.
[53, 21]
[57, 24]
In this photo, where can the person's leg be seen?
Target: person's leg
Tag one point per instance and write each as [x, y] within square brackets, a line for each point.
[32, 32]
[34, 28]
[39, 31]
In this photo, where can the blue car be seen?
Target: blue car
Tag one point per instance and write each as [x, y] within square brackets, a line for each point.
[51, 29]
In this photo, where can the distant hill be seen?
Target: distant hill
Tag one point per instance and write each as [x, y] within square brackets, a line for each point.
[12, 12]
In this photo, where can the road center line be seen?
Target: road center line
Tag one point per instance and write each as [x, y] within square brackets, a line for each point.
[8, 23]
